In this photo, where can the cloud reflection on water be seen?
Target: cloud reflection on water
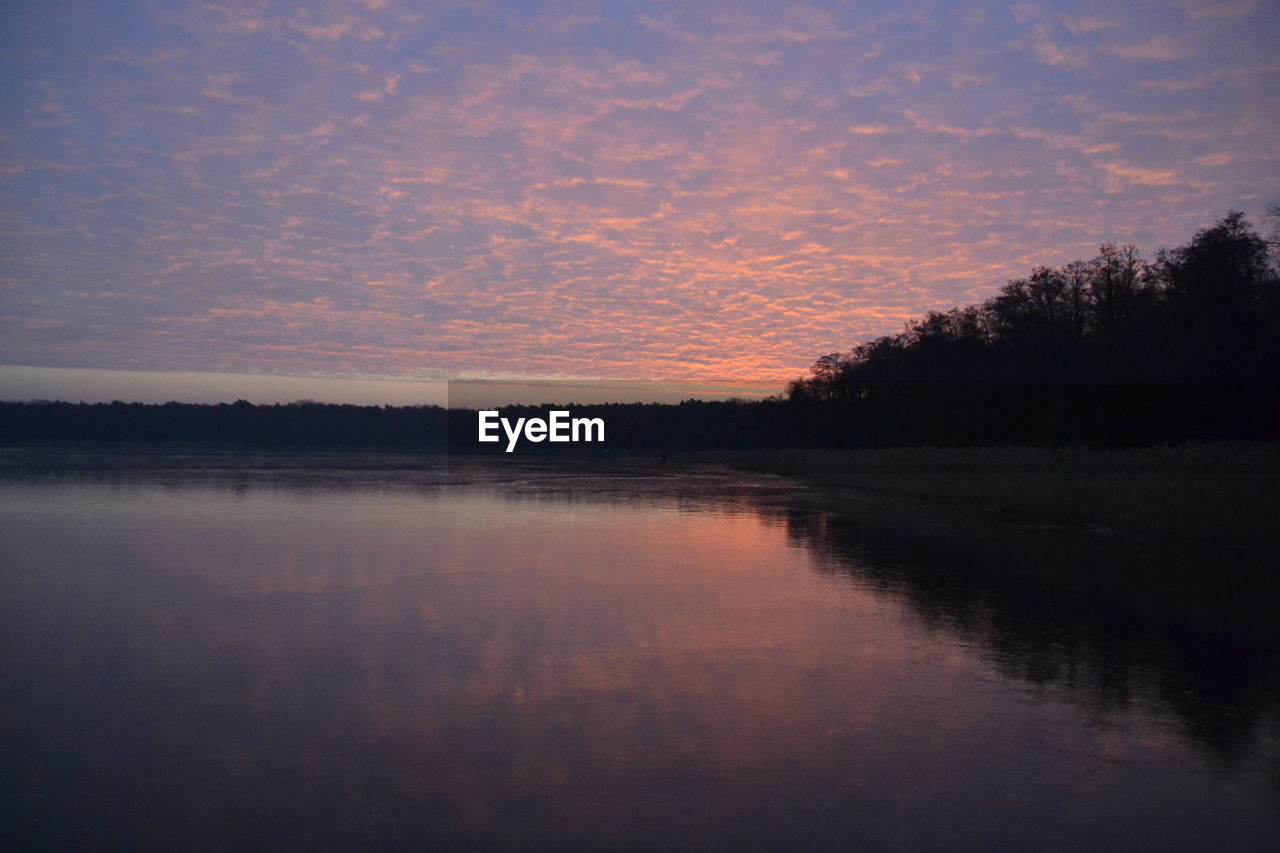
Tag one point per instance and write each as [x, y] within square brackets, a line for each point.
[607, 661]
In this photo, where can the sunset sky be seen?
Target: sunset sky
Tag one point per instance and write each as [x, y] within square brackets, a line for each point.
[629, 189]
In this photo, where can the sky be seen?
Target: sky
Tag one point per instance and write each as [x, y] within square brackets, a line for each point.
[661, 190]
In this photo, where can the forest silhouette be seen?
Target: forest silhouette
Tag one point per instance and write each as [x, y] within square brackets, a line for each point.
[1110, 351]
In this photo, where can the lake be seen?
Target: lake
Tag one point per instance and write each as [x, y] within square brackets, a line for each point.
[333, 651]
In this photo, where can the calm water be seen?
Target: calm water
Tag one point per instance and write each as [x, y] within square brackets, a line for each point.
[335, 653]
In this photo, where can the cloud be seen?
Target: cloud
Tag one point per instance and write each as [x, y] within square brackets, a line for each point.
[708, 190]
[939, 127]
[1213, 9]
[1056, 55]
[1083, 24]
[1156, 48]
[1127, 175]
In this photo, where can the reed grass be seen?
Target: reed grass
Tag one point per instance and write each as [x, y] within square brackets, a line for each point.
[1209, 492]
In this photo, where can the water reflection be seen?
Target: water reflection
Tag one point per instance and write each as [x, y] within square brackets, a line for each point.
[1029, 598]
[522, 658]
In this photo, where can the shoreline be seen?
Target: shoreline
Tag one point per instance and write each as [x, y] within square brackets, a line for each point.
[1209, 493]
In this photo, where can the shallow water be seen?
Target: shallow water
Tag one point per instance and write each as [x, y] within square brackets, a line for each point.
[328, 652]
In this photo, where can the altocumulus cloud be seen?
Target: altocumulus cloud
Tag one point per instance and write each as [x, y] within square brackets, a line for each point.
[729, 189]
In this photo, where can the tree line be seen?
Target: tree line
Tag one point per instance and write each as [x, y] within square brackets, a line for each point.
[1113, 350]
[647, 427]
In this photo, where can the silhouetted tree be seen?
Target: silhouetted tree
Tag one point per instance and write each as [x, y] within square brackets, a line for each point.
[1220, 291]
[1099, 350]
